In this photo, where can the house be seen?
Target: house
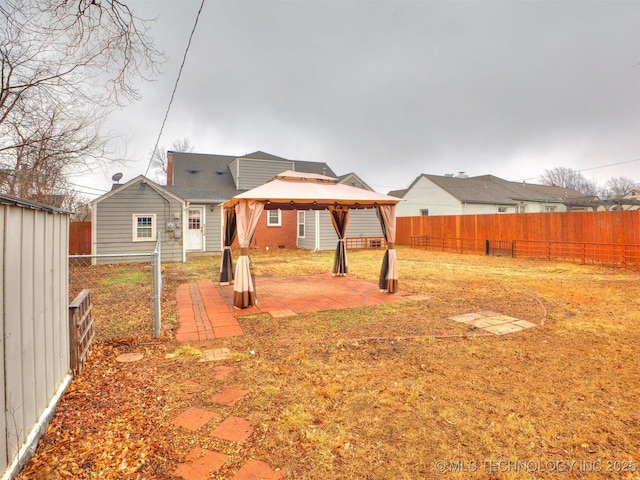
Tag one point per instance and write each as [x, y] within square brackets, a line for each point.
[133, 216]
[186, 213]
[463, 195]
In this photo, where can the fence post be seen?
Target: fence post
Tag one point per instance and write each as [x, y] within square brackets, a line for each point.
[486, 247]
[157, 287]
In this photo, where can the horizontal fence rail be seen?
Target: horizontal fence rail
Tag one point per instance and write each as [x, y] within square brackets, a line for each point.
[606, 254]
[354, 243]
[606, 238]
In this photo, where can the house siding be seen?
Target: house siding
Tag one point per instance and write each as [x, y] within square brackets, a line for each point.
[427, 195]
[249, 173]
[113, 222]
[213, 229]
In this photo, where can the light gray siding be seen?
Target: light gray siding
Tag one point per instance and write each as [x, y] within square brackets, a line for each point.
[364, 223]
[113, 222]
[34, 325]
[250, 173]
[309, 240]
[320, 233]
[213, 237]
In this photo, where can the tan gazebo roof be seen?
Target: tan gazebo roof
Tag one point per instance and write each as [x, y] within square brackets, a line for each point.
[301, 191]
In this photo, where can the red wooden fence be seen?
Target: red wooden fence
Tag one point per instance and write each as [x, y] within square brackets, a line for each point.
[587, 237]
[80, 238]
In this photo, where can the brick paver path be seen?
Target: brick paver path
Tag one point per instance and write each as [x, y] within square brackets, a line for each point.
[203, 313]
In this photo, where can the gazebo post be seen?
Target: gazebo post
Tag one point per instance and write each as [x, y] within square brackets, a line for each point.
[389, 271]
[229, 233]
[247, 216]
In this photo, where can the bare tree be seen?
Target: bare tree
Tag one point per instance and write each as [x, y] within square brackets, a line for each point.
[618, 187]
[569, 178]
[159, 157]
[64, 64]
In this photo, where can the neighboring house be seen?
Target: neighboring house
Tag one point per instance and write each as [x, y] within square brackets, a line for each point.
[631, 201]
[187, 212]
[463, 195]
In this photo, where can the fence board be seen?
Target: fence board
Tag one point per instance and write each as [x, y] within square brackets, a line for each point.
[607, 238]
[79, 238]
[614, 227]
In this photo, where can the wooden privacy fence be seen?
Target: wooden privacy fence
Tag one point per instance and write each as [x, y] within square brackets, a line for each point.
[607, 238]
[79, 238]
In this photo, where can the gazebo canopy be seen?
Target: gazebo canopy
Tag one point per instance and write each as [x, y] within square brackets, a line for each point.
[303, 191]
[307, 191]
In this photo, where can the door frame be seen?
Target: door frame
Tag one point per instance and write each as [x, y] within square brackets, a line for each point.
[203, 227]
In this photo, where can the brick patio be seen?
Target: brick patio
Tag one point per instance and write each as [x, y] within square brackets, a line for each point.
[205, 309]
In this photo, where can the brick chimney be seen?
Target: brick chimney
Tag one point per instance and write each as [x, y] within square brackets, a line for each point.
[169, 168]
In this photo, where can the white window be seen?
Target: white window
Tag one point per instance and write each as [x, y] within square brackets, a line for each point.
[274, 218]
[300, 224]
[424, 212]
[502, 209]
[549, 209]
[144, 227]
[522, 208]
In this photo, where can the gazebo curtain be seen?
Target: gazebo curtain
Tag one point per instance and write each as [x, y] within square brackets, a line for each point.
[229, 233]
[247, 216]
[389, 271]
[340, 220]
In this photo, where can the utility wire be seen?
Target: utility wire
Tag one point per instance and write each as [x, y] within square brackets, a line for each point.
[175, 87]
[594, 168]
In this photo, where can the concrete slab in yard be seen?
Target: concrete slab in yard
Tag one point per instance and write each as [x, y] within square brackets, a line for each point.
[524, 324]
[504, 328]
[215, 354]
[466, 317]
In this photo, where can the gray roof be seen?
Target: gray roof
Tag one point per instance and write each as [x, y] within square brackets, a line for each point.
[6, 199]
[490, 189]
[398, 193]
[206, 177]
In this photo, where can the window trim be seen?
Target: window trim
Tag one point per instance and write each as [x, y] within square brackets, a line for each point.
[302, 224]
[134, 227]
[272, 224]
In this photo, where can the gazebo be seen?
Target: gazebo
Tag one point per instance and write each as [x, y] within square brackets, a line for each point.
[302, 191]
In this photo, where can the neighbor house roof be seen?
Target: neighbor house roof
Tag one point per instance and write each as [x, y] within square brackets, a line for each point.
[490, 189]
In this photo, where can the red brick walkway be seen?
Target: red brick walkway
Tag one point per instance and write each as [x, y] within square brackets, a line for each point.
[205, 310]
[203, 313]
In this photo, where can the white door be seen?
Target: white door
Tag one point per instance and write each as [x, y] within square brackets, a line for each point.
[194, 237]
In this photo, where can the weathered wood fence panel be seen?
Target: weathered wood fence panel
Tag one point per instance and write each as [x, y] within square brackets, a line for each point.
[80, 330]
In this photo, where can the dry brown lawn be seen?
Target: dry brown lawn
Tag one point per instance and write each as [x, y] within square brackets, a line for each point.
[395, 391]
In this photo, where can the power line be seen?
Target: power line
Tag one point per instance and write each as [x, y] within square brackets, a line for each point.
[175, 87]
[595, 168]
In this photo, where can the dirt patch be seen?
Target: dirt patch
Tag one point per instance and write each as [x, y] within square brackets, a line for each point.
[327, 403]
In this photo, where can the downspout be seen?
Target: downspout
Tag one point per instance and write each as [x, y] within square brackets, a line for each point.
[317, 231]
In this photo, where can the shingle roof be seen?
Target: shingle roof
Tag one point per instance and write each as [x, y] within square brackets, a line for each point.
[199, 176]
[398, 193]
[494, 190]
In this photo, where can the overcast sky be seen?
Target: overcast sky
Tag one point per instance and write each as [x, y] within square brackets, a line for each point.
[391, 89]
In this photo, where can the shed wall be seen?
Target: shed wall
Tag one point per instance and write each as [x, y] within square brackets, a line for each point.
[34, 327]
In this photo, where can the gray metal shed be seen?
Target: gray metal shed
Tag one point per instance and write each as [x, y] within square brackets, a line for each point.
[34, 242]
